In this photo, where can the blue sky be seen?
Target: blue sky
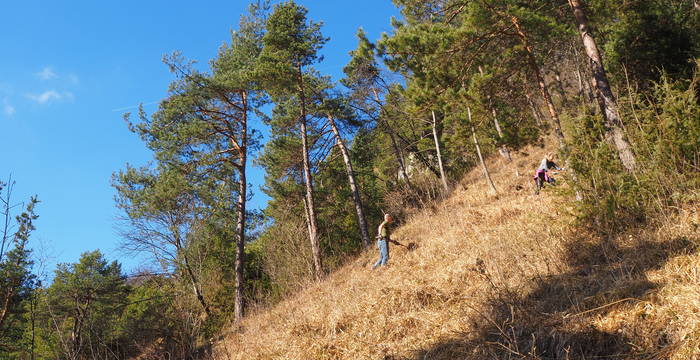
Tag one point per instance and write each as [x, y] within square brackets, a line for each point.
[68, 71]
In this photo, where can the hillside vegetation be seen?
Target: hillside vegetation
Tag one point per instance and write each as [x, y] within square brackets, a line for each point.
[440, 122]
[512, 276]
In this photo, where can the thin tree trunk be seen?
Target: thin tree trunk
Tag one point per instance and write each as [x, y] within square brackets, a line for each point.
[579, 78]
[195, 285]
[180, 252]
[361, 222]
[33, 320]
[584, 87]
[560, 86]
[13, 283]
[6, 213]
[6, 305]
[394, 144]
[540, 81]
[313, 226]
[492, 186]
[535, 112]
[503, 150]
[241, 212]
[606, 100]
[439, 155]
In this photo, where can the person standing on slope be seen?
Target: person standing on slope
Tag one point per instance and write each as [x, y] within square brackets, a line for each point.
[542, 174]
[383, 240]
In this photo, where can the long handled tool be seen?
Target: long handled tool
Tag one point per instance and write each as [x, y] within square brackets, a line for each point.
[410, 247]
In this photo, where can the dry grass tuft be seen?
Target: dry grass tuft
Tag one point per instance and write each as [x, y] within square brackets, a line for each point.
[497, 277]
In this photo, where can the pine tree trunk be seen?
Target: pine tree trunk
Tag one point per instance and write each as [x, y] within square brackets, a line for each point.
[308, 182]
[6, 305]
[540, 81]
[439, 155]
[535, 112]
[503, 150]
[606, 100]
[579, 78]
[394, 143]
[361, 222]
[583, 86]
[6, 213]
[195, 285]
[241, 213]
[492, 186]
[560, 86]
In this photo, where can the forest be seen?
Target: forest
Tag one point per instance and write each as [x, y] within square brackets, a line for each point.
[611, 87]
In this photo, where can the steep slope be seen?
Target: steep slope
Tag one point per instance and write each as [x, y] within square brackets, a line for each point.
[507, 276]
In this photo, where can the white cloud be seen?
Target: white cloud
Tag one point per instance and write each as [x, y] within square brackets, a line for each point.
[50, 95]
[46, 73]
[7, 108]
[46, 96]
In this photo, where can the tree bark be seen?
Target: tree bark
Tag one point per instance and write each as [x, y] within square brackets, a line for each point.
[584, 87]
[560, 86]
[308, 182]
[394, 143]
[241, 212]
[195, 285]
[439, 155]
[606, 100]
[6, 304]
[535, 112]
[492, 186]
[503, 150]
[540, 81]
[361, 222]
[6, 213]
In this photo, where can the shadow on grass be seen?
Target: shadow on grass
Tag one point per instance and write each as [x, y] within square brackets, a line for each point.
[554, 321]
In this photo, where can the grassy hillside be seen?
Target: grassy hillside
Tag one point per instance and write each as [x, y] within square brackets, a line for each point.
[509, 276]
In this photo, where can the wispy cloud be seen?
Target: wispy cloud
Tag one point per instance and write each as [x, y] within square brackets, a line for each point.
[51, 95]
[46, 73]
[7, 108]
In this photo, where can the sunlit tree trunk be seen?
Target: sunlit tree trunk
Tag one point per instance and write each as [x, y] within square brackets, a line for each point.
[503, 150]
[535, 112]
[554, 115]
[194, 281]
[436, 138]
[606, 100]
[492, 186]
[308, 182]
[394, 143]
[560, 86]
[583, 85]
[6, 304]
[361, 222]
[241, 210]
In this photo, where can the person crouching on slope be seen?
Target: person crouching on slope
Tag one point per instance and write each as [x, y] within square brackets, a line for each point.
[542, 174]
[383, 239]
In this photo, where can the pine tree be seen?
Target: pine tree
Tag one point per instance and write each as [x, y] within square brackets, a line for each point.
[17, 282]
[291, 44]
[606, 99]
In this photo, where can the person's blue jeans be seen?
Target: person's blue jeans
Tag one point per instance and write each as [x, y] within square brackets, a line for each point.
[383, 246]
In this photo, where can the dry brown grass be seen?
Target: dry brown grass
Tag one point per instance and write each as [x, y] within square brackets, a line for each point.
[508, 276]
